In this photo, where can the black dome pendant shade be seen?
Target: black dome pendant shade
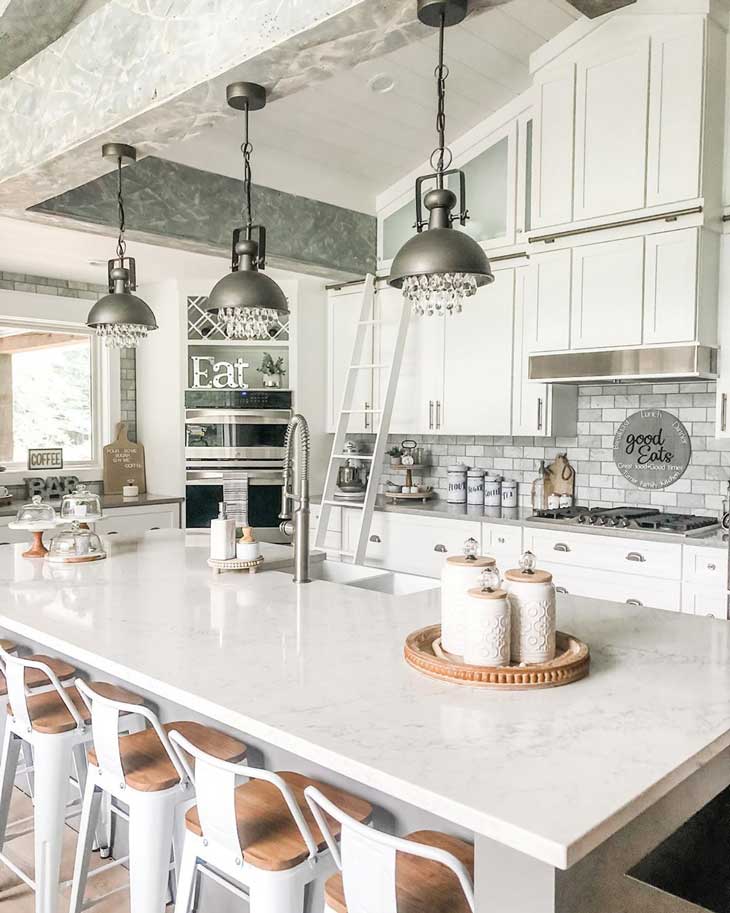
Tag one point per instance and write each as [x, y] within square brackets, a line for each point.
[121, 318]
[247, 302]
[440, 266]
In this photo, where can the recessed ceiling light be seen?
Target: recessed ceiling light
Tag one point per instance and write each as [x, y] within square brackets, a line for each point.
[381, 83]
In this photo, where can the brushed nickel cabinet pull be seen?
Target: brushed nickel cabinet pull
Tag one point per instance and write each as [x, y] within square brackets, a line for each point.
[501, 540]
[153, 527]
[438, 414]
[711, 567]
[561, 589]
[539, 413]
[367, 420]
[430, 414]
[439, 548]
[561, 547]
[375, 538]
[634, 602]
[723, 412]
[635, 556]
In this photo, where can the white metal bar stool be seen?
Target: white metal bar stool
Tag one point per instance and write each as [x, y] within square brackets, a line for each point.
[143, 771]
[425, 872]
[259, 839]
[54, 723]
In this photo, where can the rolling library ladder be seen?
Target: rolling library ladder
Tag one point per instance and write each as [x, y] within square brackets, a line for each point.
[381, 421]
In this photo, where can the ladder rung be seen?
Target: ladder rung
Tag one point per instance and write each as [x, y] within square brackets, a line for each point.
[352, 456]
[362, 367]
[359, 411]
[369, 323]
[356, 505]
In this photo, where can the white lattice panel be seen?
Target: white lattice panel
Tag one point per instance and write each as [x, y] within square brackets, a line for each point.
[204, 325]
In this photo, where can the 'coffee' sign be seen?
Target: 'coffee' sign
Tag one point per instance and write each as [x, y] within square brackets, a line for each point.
[211, 373]
[652, 449]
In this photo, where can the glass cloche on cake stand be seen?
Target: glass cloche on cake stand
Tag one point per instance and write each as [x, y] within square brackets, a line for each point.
[75, 545]
[82, 506]
[36, 517]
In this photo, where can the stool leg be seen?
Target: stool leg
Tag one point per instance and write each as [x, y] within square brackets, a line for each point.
[150, 841]
[186, 879]
[52, 757]
[9, 764]
[275, 892]
[89, 817]
[28, 764]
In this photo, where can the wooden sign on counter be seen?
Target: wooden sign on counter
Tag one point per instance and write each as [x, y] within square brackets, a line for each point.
[123, 463]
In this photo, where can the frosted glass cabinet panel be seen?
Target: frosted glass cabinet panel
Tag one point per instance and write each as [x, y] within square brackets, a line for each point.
[487, 178]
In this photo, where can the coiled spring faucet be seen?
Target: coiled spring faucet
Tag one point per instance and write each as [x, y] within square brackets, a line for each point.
[296, 475]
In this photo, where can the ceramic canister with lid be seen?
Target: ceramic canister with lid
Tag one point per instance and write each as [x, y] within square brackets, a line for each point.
[457, 483]
[509, 493]
[475, 487]
[532, 603]
[487, 623]
[492, 491]
[459, 574]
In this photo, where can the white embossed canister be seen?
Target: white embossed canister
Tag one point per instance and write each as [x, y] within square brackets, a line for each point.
[475, 487]
[456, 474]
[459, 574]
[492, 491]
[532, 602]
[487, 623]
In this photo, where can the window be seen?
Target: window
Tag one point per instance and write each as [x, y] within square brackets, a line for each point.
[46, 393]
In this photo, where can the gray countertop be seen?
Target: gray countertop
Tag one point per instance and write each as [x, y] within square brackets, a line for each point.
[522, 516]
[107, 502]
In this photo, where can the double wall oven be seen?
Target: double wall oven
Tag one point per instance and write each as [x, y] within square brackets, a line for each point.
[230, 434]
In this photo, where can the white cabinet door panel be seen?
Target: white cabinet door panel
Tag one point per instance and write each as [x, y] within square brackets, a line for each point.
[477, 391]
[675, 113]
[710, 602]
[531, 402]
[670, 309]
[611, 131]
[547, 305]
[419, 545]
[608, 291]
[704, 567]
[652, 592]
[552, 162]
[344, 313]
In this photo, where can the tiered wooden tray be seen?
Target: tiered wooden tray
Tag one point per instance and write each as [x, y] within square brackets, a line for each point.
[572, 662]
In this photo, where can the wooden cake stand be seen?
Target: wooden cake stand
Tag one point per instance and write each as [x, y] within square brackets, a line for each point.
[423, 651]
[37, 549]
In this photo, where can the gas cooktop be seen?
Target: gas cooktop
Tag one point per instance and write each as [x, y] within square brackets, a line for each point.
[646, 518]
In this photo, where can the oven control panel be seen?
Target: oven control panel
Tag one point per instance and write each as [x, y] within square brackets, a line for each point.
[238, 399]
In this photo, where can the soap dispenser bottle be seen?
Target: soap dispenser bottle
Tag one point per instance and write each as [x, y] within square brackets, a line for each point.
[539, 489]
[222, 536]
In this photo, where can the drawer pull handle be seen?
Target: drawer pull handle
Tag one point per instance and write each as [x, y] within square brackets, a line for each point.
[153, 527]
[711, 567]
[634, 602]
[439, 548]
[112, 532]
[375, 538]
[635, 556]
[501, 540]
[561, 589]
[4, 543]
[561, 547]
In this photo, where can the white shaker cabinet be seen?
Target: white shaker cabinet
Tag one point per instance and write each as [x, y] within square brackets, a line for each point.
[547, 302]
[608, 289]
[344, 306]
[671, 291]
[611, 130]
[552, 147]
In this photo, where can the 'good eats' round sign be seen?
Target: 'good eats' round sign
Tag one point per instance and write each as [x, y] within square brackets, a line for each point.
[652, 448]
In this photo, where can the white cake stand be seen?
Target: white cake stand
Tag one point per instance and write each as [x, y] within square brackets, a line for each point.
[37, 549]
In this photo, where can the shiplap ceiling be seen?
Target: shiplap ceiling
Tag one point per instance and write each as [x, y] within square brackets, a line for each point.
[343, 143]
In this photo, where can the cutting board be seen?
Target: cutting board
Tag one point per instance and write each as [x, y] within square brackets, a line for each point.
[123, 463]
[561, 476]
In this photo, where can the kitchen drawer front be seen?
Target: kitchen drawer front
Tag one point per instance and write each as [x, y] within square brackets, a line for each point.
[125, 522]
[657, 593]
[333, 539]
[502, 542]
[605, 553]
[705, 566]
[419, 545]
[704, 600]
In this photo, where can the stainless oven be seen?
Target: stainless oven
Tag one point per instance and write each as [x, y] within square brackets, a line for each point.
[232, 434]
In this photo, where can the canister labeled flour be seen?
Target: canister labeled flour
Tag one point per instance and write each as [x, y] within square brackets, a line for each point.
[457, 483]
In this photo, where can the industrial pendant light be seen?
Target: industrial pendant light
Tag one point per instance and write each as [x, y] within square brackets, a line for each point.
[120, 317]
[247, 302]
[439, 267]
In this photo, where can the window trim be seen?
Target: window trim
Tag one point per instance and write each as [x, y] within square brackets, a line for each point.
[104, 392]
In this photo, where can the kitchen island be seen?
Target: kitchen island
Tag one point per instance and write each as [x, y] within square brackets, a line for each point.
[562, 790]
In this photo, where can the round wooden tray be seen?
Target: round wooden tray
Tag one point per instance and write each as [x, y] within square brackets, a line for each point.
[423, 652]
[409, 496]
[220, 565]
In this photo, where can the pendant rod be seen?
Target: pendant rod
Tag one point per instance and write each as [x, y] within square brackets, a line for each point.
[121, 243]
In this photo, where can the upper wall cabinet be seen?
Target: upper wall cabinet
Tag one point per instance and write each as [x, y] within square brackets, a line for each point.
[611, 130]
[552, 147]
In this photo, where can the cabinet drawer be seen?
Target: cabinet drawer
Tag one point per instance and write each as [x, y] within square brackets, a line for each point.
[627, 556]
[419, 545]
[703, 600]
[657, 593]
[502, 542]
[705, 566]
[131, 523]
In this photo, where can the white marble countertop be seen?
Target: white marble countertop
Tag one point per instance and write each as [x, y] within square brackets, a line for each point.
[318, 670]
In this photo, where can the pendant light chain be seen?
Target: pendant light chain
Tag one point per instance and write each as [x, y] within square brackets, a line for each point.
[441, 163]
[121, 243]
[246, 150]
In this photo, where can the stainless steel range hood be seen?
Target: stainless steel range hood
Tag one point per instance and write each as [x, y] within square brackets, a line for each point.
[658, 364]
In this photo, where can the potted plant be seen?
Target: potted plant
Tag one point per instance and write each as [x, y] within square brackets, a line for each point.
[395, 454]
[271, 371]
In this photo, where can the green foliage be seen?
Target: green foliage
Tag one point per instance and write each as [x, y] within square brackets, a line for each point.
[269, 366]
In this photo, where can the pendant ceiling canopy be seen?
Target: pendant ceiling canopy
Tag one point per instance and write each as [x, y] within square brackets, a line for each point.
[121, 318]
[248, 303]
[440, 266]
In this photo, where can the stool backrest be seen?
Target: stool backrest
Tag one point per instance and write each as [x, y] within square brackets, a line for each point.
[215, 785]
[105, 714]
[13, 668]
[367, 858]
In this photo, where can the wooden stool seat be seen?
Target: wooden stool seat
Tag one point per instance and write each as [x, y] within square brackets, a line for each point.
[421, 886]
[35, 678]
[146, 764]
[268, 834]
[8, 645]
[50, 716]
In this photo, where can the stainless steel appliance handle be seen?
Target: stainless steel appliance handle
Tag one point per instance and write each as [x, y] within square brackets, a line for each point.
[237, 416]
[215, 477]
[635, 556]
